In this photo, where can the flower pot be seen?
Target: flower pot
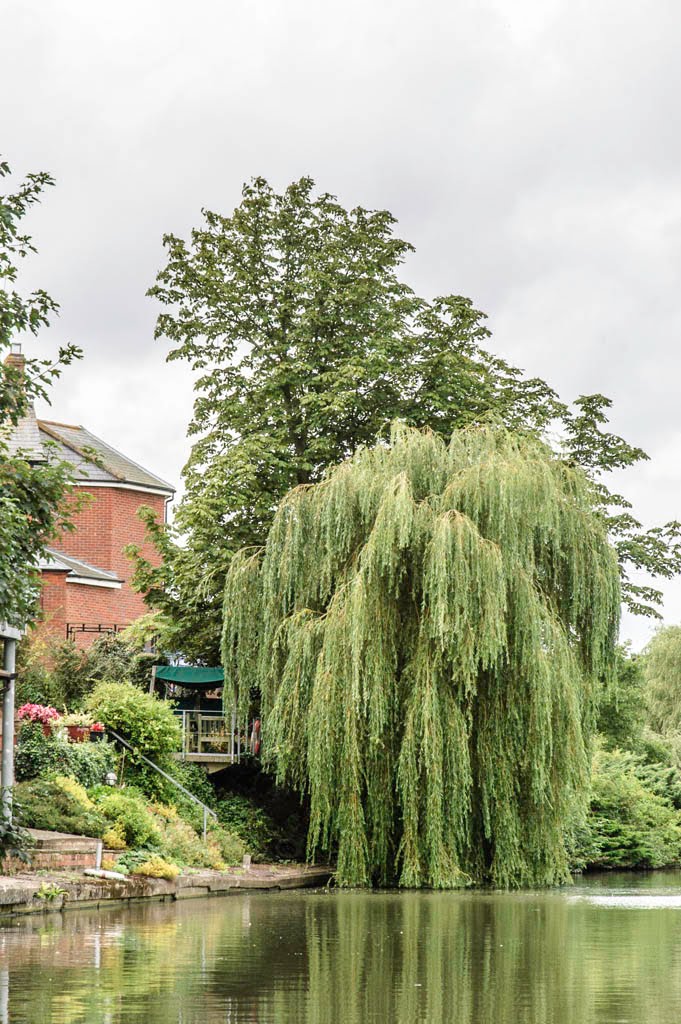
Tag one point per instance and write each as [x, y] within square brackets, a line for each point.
[78, 733]
[47, 729]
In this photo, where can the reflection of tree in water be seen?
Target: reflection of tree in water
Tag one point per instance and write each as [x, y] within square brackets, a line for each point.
[491, 958]
[349, 958]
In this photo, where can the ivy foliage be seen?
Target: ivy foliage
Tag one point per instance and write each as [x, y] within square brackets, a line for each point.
[40, 756]
[306, 343]
[32, 509]
[427, 627]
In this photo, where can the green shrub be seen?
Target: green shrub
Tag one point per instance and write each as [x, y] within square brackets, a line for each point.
[129, 811]
[145, 721]
[194, 778]
[131, 859]
[622, 704]
[230, 846]
[241, 817]
[37, 755]
[62, 684]
[52, 671]
[41, 803]
[119, 656]
[630, 825]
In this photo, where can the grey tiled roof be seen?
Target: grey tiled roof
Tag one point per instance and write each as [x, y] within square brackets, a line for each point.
[94, 459]
[57, 561]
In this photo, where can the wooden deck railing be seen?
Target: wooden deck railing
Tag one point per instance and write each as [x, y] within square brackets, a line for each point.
[210, 735]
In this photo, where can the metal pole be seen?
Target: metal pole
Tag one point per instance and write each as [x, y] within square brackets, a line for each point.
[231, 741]
[7, 781]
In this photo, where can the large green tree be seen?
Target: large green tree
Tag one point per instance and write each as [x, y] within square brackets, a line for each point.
[31, 496]
[428, 627]
[306, 343]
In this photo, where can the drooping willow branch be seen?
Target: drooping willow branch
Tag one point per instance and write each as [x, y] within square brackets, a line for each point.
[426, 628]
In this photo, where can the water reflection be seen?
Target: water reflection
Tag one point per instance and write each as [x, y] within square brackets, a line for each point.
[595, 954]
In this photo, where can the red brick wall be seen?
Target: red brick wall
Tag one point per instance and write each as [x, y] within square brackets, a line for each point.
[105, 524]
[53, 604]
[92, 605]
[62, 602]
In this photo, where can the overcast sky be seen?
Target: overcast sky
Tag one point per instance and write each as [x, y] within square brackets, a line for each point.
[529, 150]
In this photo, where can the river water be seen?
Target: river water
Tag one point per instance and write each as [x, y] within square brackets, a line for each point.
[606, 951]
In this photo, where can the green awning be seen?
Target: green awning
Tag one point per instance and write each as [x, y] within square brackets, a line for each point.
[191, 677]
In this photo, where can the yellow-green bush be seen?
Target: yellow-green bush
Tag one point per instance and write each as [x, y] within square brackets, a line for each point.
[114, 837]
[180, 842]
[157, 867]
[147, 722]
[131, 813]
[69, 785]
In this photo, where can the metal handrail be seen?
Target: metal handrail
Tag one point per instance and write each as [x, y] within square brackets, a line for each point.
[206, 809]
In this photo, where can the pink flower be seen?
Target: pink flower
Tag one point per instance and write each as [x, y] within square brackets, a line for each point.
[38, 713]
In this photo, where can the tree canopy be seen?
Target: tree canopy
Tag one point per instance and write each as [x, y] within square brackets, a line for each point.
[662, 673]
[31, 495]
[307, 343]
[426, 627]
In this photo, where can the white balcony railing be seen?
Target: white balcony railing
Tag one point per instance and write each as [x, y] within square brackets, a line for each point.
[210, 734]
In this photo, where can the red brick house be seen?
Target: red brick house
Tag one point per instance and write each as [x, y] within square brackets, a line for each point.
[86, 577]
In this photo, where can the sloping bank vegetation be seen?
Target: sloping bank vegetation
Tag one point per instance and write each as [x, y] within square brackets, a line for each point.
[146, 824]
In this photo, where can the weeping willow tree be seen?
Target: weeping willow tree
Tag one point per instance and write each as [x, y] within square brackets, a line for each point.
[426, 628]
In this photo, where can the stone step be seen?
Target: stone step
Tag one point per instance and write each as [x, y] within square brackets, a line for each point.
[55, 851]
[63, 842]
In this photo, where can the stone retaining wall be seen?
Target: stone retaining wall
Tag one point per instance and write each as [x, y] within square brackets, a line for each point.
[19, 893]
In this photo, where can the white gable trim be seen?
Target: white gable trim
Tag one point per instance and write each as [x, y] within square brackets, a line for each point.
[119, 485]
[86, 582]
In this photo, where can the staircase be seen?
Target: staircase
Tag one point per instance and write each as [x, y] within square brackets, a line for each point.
[57, 851]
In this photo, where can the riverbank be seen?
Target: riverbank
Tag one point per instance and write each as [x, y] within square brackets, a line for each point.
[42, 892]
